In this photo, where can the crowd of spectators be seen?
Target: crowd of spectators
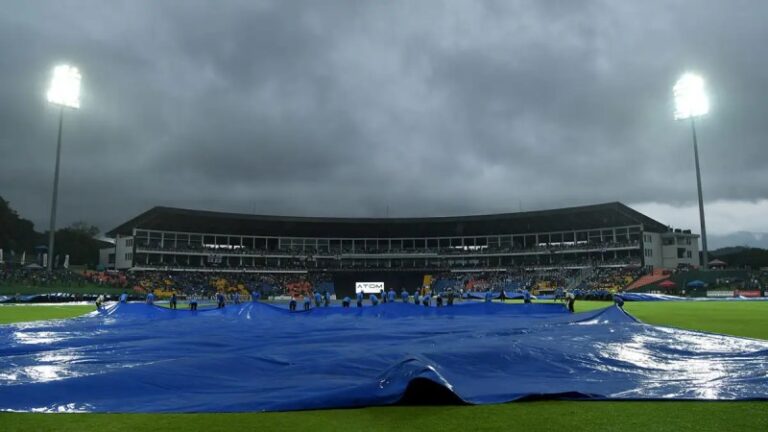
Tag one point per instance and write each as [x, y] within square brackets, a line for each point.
[39, 277]
[206, 284]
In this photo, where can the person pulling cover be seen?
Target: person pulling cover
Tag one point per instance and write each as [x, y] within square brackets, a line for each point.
[526, 297]
[404, 295]
[359, 299]
[392, 295]
[172, 301]
[124, 297]
[488, 296]
[326, 299]
[292, 304]
[150, 298]
[570, 299]
[99, 301]
[318, 299]
[307, 303]
[345, 302]
[374, 300]
[219, 300]
[193, 302]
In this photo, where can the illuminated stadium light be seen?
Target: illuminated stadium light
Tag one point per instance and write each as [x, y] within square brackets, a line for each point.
[690, 97]
[65, 87]
[64, 92]
[691, 101]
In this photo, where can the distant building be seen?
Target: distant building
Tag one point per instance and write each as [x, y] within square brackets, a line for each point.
[603, 235]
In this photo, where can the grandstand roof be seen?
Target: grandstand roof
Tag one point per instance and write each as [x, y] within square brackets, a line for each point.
[564, 219]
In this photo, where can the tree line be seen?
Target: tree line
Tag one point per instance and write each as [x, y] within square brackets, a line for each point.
[18, 235]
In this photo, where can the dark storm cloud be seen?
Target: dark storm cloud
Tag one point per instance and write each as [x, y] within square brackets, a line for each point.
[350, 108]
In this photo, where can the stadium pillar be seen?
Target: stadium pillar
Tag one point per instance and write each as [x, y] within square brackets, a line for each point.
[704, 255]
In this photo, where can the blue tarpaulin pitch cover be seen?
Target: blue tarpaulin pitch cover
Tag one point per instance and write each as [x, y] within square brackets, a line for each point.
[259, 357]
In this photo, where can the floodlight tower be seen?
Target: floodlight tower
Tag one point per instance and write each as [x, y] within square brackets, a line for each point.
[64, 92]
[691, 101]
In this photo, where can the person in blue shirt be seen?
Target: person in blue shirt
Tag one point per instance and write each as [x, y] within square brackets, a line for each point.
[124, 297]
[439, 300]
[383, 295]
[345, 302]
[374, 300]
[326, 299]
[392, 295]
[526, 297]
[619, 301]
[416, 298]
[404, 295]
[488, 296]
[426, 300]
[292, 304]
[307, 303]
[172, 302]
[151, 298]
[193, 302]
[255, 296]
[359, 299]
[318, 299]
[236, 297]
[220, 300]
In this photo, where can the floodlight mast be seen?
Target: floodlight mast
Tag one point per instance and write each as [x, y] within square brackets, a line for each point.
[64, 92]
[691, 101]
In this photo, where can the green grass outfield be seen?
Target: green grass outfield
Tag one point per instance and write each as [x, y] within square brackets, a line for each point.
[748, 319]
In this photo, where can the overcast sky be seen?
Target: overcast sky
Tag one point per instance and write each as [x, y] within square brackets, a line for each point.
[348, 108]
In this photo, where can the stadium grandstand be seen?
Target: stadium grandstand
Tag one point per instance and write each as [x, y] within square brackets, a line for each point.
[567, 246]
